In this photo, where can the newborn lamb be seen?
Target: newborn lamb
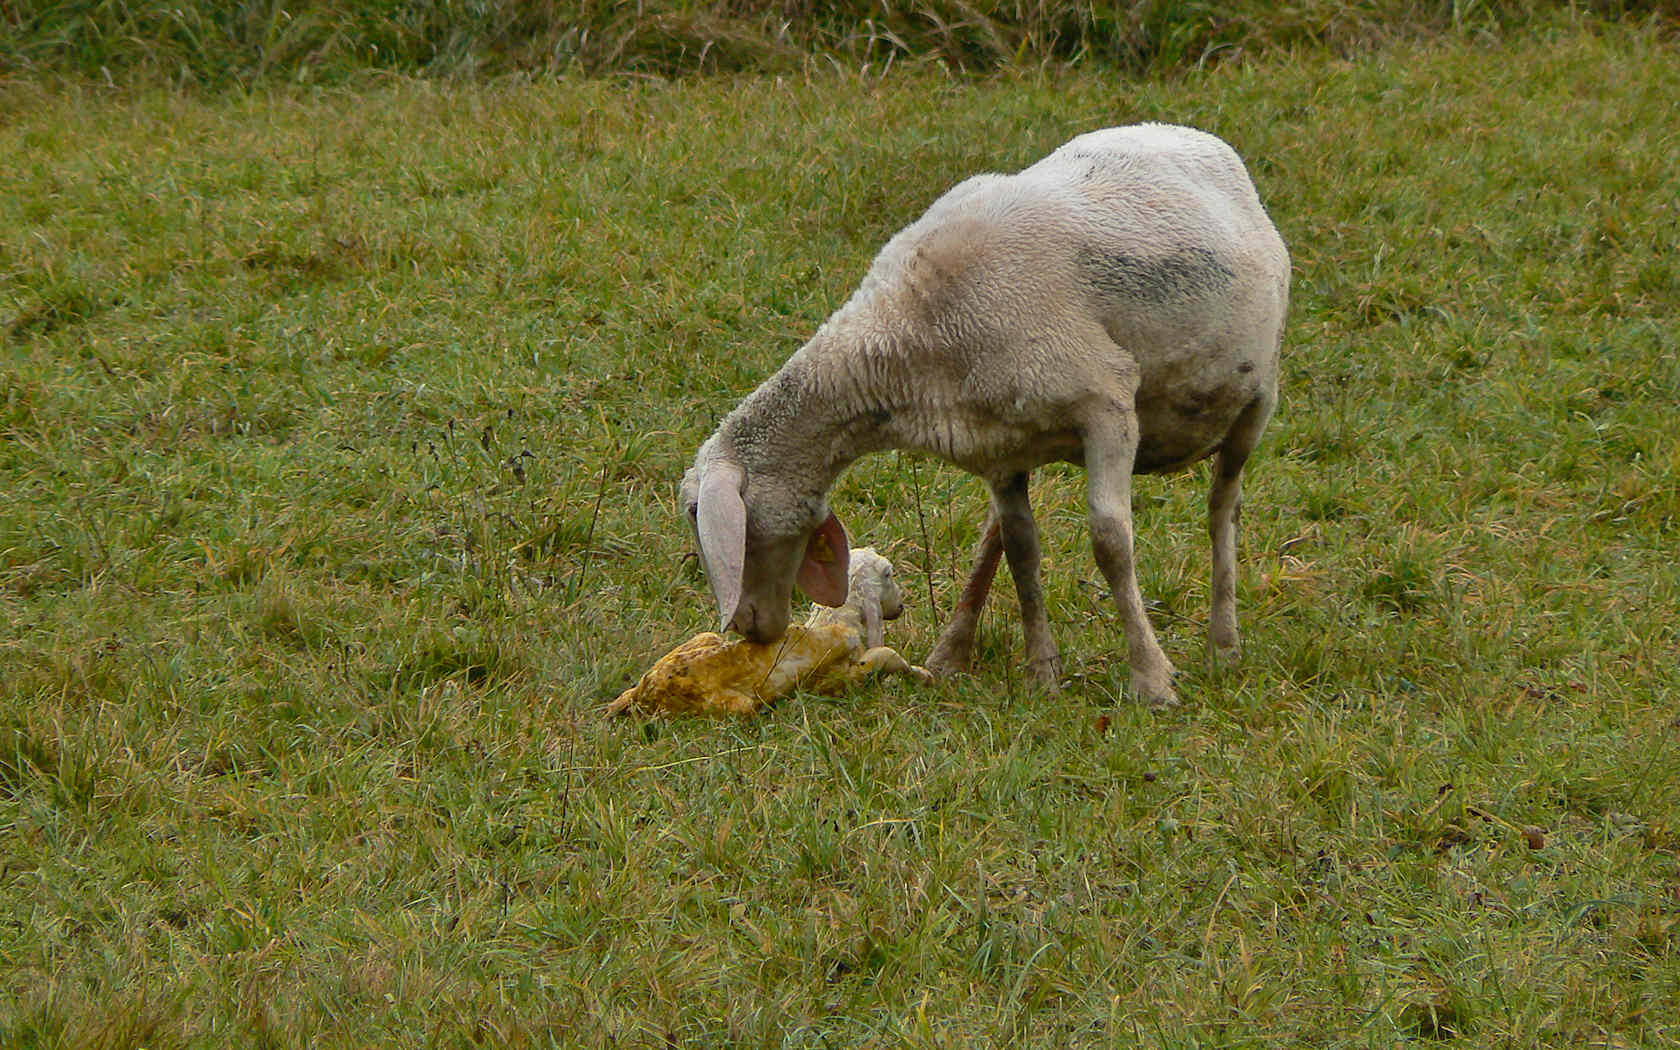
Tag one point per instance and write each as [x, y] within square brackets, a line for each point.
[712, 675]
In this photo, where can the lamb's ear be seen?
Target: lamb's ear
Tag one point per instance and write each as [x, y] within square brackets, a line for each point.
[721, 521]
[874, 632]
[822, 574]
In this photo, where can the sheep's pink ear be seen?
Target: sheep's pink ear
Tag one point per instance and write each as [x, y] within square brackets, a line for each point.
[721, 521]
[822, 575]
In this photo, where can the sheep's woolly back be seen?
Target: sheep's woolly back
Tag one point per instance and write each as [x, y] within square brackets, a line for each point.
[978, 324]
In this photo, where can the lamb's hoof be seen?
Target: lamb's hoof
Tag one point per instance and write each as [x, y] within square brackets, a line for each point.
[922, 674]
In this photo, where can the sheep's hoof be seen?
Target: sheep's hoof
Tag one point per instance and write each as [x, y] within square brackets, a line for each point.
[1047, 672]
[1224, 657]
[1156, 692]
[1162, 700]
[948, 661]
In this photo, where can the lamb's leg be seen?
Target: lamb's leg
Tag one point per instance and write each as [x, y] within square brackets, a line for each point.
[1020, 546]
[884, 659]
[1224, 514]
[1110, 434]
[954, 650]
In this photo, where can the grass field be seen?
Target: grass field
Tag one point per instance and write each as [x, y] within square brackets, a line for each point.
[245, 42]
[338, 434]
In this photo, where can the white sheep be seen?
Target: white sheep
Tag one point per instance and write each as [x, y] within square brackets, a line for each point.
[712, 675]
[1120, 303]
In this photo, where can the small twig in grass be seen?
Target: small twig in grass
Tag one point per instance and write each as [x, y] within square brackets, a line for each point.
[1213, 912]
[927, 548]
[780, 650]
[731, 753]
[1493, 969]
[951, 533]
[571, 763]
[883, 822]
[589, 538]
[98, 537]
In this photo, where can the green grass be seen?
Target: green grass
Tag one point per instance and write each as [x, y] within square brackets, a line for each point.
[318, 41]
[338, 431]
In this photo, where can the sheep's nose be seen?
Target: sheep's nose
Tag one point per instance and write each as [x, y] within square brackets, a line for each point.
[757, 626]
[746, 623]
[742, 621]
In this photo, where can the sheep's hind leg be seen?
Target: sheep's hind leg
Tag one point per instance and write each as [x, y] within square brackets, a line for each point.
[1224, 515]
[1020, 545]
[1110, 434]
[954, 651]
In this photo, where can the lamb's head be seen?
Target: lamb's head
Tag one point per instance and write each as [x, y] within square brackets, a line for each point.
[874, 592]
[759, 533]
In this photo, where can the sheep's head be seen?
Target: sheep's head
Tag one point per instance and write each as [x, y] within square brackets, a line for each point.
[758, 536]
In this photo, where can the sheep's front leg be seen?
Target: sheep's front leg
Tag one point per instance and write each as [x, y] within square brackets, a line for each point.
[954, 650]
[1020, 545]
[1110, 433]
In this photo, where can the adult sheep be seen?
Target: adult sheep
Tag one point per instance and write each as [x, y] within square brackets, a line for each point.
[1119, 304]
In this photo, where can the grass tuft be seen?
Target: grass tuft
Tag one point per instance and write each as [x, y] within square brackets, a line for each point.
[209, 42]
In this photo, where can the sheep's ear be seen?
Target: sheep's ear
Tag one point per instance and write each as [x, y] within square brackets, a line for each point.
[721, 521]
[822, 575]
